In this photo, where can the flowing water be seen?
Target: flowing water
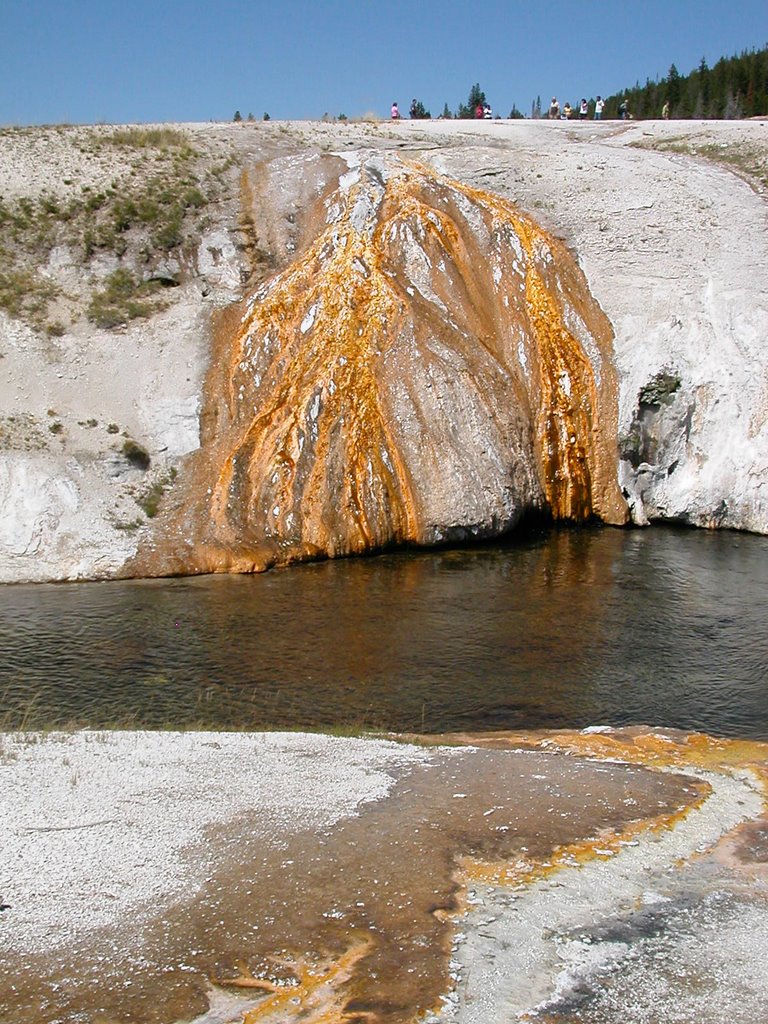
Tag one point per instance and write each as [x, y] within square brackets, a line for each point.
[557, 628]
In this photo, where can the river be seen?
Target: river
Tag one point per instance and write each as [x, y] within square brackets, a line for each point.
[557, 628]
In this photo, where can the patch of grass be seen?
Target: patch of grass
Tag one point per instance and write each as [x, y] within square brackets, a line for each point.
[122, 299]
[148, 138]
[155, 212]
[29, 719]
[219, 171]
[749, 162]
[25, 294]
[21, 432]
[150, 501]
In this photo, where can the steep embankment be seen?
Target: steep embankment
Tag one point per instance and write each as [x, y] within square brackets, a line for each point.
[430, 367]
[118, 246]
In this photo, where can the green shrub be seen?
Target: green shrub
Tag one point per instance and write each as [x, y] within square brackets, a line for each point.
[96, 201]
[136, 454]
[23, 293]
[193, 198]
[170, 233]
[122, 299]
[150, 500]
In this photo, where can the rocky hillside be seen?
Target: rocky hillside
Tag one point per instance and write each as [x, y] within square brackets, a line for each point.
[378, 332]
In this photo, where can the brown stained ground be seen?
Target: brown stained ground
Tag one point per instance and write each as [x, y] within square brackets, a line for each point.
[350, 924]
[744, 850]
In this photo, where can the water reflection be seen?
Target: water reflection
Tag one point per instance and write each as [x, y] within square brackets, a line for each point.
[564, 628]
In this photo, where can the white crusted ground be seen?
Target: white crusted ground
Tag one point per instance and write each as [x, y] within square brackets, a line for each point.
[530, 950]
[99, 827]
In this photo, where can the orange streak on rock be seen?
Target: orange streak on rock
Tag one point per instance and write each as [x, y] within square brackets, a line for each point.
[662, 748]
[568, 398]
[317, 427]
[432, 363]
[317, 997]
[601, 847]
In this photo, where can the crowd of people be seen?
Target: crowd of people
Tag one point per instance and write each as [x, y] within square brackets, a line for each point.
[581, 112]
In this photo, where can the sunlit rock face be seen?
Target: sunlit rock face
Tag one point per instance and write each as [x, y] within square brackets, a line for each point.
[430, 367]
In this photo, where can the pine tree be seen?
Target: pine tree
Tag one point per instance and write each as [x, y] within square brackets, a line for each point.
[476, 99]
[704, 83]
[733, 109]
[419, 112]
[733, 87]
[673, 89]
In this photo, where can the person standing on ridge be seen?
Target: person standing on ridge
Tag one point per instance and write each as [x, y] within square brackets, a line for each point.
[395, 112]
[554, 110]
[665, 110]
[599, 104]
[583, 110]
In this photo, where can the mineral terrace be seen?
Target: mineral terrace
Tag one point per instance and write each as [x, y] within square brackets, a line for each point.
[230, 346]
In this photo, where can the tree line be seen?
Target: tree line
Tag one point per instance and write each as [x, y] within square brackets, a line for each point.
[734, 87]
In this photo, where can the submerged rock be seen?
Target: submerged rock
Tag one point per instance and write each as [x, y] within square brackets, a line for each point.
[430, 367]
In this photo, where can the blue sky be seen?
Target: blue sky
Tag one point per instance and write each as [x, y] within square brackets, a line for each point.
[163, 60]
